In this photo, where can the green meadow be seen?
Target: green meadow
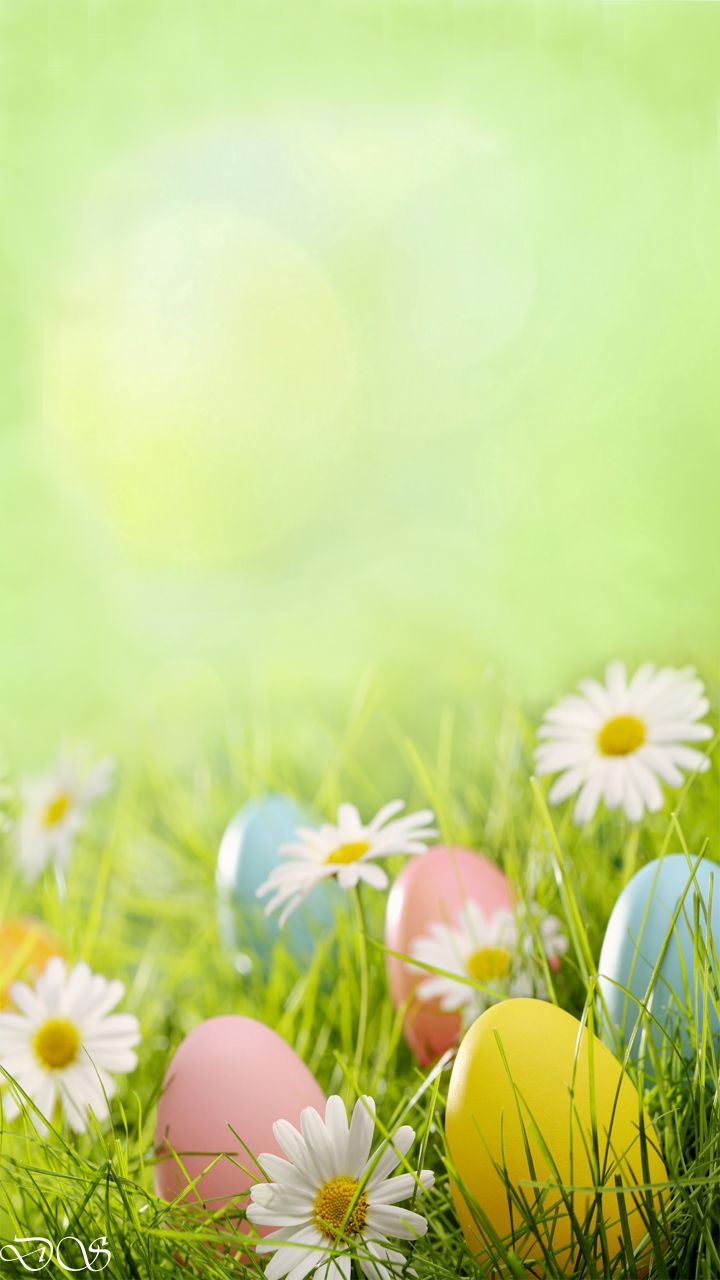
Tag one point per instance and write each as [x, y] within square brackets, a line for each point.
[141, 903]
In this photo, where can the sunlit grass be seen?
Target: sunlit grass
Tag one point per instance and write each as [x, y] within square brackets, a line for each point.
[141, 904]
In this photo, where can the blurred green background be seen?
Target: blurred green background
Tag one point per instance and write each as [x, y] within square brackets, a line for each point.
[351, 342]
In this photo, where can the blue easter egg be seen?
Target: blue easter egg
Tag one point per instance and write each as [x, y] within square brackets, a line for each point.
[249, 851]
[639, 937]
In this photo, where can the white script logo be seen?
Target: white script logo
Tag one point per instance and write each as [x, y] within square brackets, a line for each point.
[35, 1253]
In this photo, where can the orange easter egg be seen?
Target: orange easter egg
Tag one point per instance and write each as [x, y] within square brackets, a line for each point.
[26, 945]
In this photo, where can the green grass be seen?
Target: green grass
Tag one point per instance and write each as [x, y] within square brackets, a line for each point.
[141, 905]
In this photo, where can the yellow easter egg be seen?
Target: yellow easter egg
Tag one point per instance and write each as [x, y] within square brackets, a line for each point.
[540, 1112]
[26, 945]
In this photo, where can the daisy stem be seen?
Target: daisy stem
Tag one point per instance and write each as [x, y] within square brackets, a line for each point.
[364, 978]
[60, 882]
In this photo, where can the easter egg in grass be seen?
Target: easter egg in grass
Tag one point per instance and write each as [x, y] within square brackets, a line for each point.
[26, 946]
[226, 1085]
[661, 950]
[430, 889]
[549, 1145]
[249, 851]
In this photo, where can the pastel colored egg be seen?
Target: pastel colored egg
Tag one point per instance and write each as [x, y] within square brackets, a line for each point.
[640, 936]
[429, 889]
[227, 1084]
[26, 945]
[249, 851]
[531, 1093]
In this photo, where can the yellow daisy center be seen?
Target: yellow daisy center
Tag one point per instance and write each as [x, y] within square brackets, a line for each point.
[57, 1043]
[332, 1212]
[621, 736]
[489, 962]
[348, 852]
[56, 809]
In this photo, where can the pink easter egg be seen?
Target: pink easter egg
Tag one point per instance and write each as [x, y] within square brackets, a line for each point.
[430, 889]
[230, 1075]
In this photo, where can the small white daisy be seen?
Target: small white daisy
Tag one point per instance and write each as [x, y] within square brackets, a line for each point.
[344, 851]
[331, 1200]
[614, 741]
[493, 952]
[53, 811]
[63, 1043]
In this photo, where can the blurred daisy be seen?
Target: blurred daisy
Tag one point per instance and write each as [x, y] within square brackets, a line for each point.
[490, 951]
[552, 939]
[613, 742]
[63, 1043]
[331, 1200]
[345, 851]
[53, 811]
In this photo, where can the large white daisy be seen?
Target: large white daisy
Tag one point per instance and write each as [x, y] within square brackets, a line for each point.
[53, 811]
[331, 1200]
[63, 1044]
[482, 959]
[344, 851]
[614, 741]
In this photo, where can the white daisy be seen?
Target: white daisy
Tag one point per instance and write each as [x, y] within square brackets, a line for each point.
[62, 1044]
[491, 957]
[53, 811]
[344, 851]
[331, 1200]
[614, 741]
